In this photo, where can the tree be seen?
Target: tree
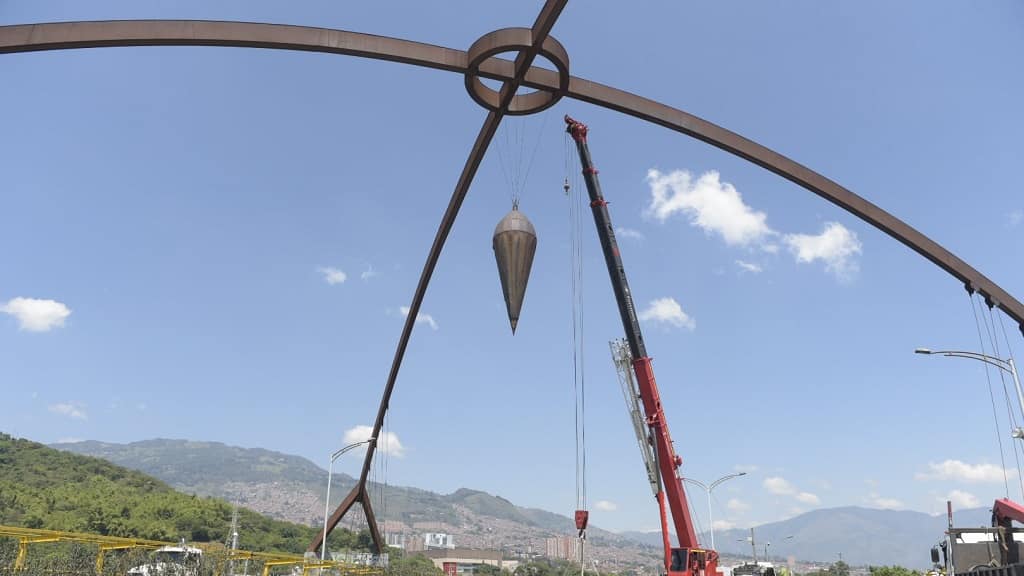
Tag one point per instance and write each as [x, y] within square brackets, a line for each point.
[487, 570]
[840, 568]
[414, 565]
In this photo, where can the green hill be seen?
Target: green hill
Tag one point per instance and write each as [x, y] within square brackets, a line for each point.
[206, 467]
[41, 487]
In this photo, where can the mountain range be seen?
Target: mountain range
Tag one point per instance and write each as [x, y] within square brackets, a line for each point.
[291, 487]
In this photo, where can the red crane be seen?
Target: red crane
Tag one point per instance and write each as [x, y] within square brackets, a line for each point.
[688, 559]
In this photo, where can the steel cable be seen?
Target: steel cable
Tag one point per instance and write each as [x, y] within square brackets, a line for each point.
[992, 398]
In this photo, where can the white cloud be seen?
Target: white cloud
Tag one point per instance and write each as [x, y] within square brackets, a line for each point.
[606, 505]
[711, 205]
[69, 409]
[749, 267]
[963, 472]
[876, 500]
[367, 274]
[962, 499]
[1015, 217]
[807, 498]
[836, 246]
[779, 486]
[737, 505]
[387, 444]
[782, 487]
[332, 275]
[624, 232]
[723, 525]
[718, 208]
[69, 440]
[669, 311]
[420, 317]
[36, 315]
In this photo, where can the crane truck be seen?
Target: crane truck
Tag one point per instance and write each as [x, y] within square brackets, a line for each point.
[688, 558]
[983, 551]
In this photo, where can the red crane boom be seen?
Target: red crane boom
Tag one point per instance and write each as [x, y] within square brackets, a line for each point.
[688, 559]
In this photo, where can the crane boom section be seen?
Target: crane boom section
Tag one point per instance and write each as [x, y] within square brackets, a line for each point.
[624, 367]
[668, 461]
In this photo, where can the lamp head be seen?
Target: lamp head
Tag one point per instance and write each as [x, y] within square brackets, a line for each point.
[922, 351]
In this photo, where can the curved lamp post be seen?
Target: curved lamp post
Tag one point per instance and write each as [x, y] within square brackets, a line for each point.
[327, 501]
[708, 488]
[1004, 365]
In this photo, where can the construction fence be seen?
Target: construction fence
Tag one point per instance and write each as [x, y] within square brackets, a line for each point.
[31, 552]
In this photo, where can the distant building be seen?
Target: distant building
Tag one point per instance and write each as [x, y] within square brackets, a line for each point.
[464, 561]
[395, 540]
[414, 544]
[562, 547]
[432, 526]
[438, 540]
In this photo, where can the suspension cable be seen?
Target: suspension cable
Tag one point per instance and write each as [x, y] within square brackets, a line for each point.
[1011, 413]
[1009, 349]
[536, 146]
[1009, 353]
[992, 398]
[579, 376]
[575, 215]
[384, 486]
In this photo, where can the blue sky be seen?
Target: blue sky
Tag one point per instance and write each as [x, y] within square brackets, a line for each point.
[228, 236]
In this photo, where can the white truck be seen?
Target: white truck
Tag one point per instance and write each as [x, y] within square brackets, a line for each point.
[180, 560]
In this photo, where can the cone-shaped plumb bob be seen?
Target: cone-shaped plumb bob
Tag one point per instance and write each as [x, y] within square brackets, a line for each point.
[515, 242]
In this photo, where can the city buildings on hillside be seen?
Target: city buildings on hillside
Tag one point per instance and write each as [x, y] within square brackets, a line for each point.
[562, 547]
[428, 541]
[438, 540]
[465, 561]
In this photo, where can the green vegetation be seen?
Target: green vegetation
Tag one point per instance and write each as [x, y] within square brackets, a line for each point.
[45, 488]
[400, 564]
[837, 569]
[892, 571]
[552, 568]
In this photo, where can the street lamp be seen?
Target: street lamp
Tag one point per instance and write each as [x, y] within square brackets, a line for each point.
[327, 500]
[1004, 365]
[767, 544]
[708, 488]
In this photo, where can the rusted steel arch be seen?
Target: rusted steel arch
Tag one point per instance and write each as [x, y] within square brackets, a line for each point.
[58, 36]
[68, 35]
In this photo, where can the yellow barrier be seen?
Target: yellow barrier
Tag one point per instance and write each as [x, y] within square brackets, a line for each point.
[270, 560]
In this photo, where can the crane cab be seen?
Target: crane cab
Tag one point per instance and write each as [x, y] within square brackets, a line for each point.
[693, 562]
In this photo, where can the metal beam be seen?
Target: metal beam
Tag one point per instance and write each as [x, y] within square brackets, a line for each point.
[69, 35]
[540, 29]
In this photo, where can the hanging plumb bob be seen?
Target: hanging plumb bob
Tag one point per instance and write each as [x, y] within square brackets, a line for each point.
[515, 242]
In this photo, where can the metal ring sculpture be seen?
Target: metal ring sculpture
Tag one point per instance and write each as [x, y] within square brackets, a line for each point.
[508, 40]
[479, 62]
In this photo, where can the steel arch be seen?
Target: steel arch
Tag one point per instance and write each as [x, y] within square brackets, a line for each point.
[70, 35]
[551, 86]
